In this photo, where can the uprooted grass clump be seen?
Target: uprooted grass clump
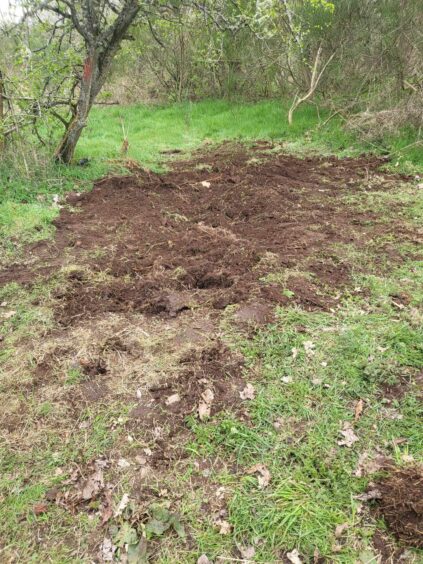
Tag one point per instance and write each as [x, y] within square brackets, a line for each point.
[400, 503]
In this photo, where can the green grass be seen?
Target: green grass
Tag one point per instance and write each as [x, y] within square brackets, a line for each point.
[186, 126]
[28, 191]
[368, 343]
[313, 485]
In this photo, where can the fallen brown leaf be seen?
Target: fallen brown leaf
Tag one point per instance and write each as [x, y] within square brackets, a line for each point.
[122, 505]
[349, 437]
[309, 347]
[107, 550]
[175, 398]
[367, 465]
[294, 557]
[204, 410]
[247, 552]
[340, 530]
[123, 463]
[358, 411]
[9, 314]
[264, 475]
[40, 508]
[93, 485]
[225, 527]
[370, 495]
[107, 510]
[204, 407]
[208, 395]
[248, 393]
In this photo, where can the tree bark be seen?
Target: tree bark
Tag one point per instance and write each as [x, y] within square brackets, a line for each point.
[89, 88]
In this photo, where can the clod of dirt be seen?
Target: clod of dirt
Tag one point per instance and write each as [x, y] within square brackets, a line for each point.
[93, 391]
[387, 548]
[401, 504]
[214, 371]
[94, 367]
[171, 303]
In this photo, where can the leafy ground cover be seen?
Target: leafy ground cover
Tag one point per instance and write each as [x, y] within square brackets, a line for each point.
[220, 363]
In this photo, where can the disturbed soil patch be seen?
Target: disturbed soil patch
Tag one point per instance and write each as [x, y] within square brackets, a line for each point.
[401, 504]
[205, 235]
[148, 263]
[213, 372]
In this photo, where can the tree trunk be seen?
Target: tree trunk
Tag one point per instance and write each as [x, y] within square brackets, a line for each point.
[66, 148]
[90, 86]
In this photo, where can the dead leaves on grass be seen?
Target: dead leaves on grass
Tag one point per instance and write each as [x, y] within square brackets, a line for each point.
[248, 393]
[368, 465]
[107, 551]
[123, 504]
[358, 410]
[40, 508]
[93, 485]
[107, 510]
[225, 528]
[8, 314]
[247, 552]
[175, 398]
[369, 495]
[294, 557]
[340, 529]
[129, 542]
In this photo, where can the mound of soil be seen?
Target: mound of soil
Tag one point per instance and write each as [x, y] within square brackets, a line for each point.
[401, 504]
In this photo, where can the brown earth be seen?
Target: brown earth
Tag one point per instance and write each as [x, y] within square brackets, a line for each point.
[400, 503]
[205, 234]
